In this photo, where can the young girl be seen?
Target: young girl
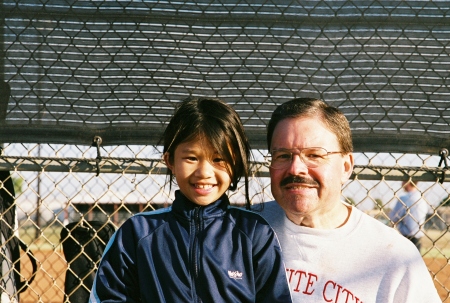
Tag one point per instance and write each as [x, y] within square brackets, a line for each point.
[200, 249]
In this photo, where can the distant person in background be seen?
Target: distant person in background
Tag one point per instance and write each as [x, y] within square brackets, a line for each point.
[333, 251]
[200, 249]
[409, 213]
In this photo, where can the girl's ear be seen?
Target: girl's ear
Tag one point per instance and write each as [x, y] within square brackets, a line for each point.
[166, 158]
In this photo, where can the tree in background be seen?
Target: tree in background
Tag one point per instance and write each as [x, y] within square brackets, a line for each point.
[18, 185]
[378, 204]
[350, 201]
[446, 201]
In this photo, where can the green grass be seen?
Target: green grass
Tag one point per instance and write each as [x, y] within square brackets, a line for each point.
[42, 239]
[436, 244]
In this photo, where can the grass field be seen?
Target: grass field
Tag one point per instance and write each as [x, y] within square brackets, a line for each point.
[436, 244]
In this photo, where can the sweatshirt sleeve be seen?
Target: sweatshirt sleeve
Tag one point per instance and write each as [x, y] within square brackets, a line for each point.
[270, 273]
[416, 285]
[116, 278]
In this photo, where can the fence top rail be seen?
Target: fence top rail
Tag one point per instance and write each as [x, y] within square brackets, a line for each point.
[117, 165]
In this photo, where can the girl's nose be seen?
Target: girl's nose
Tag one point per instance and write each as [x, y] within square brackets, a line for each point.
[205, 169]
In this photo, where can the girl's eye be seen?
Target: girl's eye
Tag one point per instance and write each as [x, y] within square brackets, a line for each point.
[220, 162]
[191, 158]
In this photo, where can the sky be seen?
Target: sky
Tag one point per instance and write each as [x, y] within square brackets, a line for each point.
[57, 190]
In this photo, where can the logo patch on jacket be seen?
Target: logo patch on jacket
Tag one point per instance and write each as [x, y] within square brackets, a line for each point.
[237, 275]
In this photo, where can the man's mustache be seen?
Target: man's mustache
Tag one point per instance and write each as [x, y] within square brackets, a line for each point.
[298, 179]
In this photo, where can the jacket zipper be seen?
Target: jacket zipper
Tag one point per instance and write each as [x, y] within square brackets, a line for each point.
[196, 231]
[195, 251]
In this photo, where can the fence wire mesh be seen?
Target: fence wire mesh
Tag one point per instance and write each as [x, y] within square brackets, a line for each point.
[77, 69]
[74, 70]
[60, 189]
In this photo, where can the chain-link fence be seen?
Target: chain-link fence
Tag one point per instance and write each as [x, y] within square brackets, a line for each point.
[115, 68]
[66, 185]
[86, 88]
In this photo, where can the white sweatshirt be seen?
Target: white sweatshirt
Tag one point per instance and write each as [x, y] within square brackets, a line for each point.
[363, 261]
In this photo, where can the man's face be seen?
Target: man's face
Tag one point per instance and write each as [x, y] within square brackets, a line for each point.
[314, 191]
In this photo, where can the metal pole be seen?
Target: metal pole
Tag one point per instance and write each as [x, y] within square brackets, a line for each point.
[4, 87]
[2, 42]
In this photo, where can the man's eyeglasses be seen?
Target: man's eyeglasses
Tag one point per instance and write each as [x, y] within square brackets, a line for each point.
[312, 156]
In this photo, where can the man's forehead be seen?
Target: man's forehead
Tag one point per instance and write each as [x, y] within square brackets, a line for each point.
[299, 124]
[301, 132]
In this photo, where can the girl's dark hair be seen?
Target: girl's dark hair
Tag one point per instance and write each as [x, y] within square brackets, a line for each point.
[217, 122]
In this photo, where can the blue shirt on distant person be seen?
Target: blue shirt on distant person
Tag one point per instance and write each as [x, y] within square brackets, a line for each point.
[409, 213]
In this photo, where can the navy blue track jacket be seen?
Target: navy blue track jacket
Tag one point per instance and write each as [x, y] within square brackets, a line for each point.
[191, 253]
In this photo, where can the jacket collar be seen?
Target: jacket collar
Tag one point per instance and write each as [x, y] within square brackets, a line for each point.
[185, 208]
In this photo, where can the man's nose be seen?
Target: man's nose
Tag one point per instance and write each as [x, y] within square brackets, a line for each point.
[297, 166]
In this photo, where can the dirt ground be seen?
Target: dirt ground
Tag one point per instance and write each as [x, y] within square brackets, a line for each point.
[441, 269]
[48, 286]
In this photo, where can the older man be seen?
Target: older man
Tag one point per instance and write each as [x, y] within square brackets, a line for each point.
[333, 251]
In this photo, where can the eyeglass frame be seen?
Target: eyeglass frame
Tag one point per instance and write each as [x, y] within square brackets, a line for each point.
[299, 152]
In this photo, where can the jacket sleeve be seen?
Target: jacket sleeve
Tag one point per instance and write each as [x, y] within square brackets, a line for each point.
[270, 273]
[116, 277]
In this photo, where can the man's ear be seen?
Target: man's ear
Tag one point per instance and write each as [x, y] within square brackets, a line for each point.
[166, 158]
[349, 162]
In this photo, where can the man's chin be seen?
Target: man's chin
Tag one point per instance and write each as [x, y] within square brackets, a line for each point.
[296, 206]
